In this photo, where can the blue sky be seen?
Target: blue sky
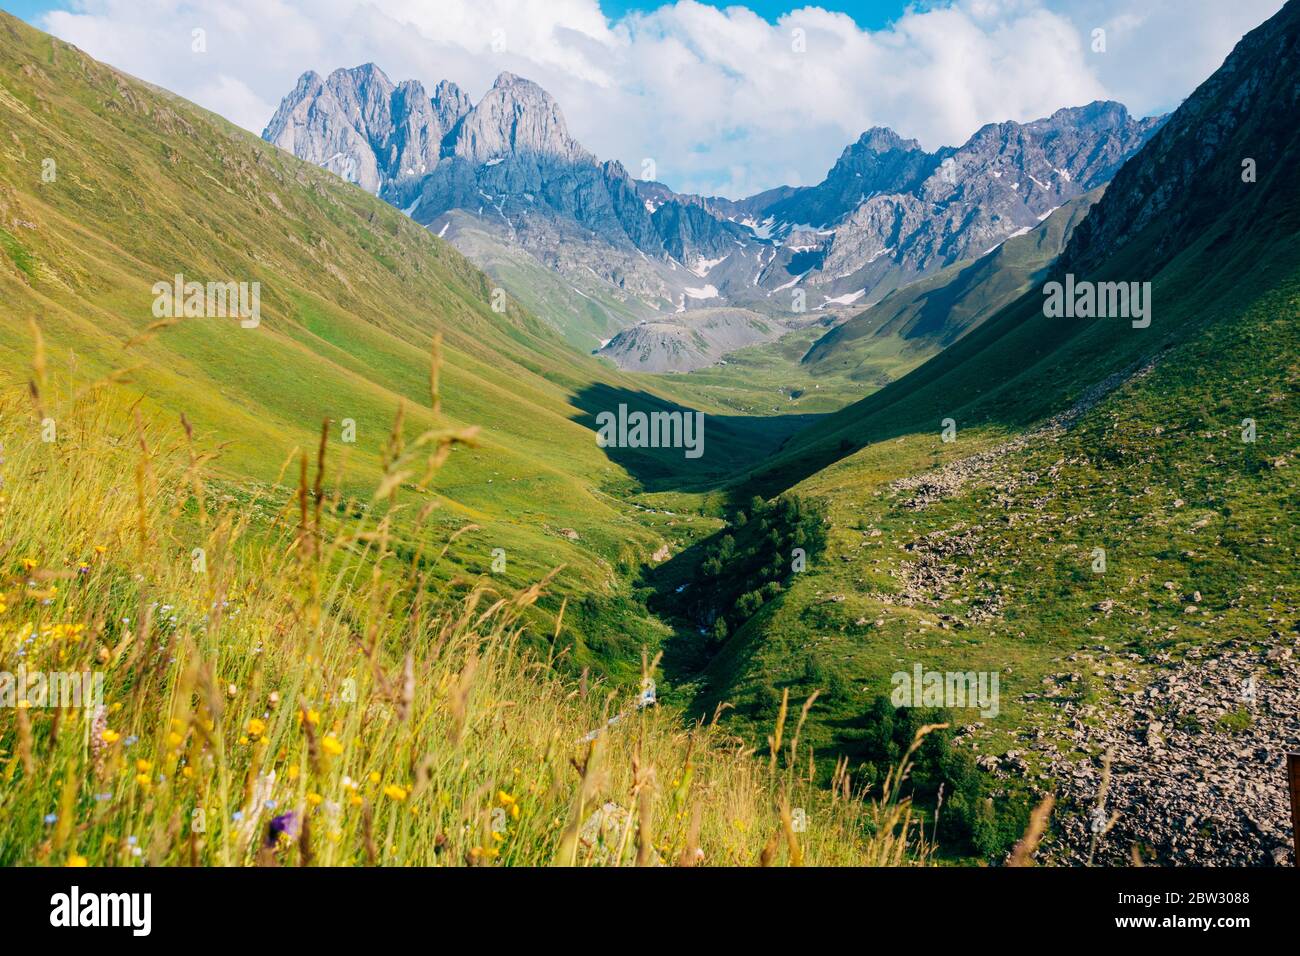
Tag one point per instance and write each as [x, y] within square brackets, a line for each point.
[868, 14]
[715, 98]
[27, 9]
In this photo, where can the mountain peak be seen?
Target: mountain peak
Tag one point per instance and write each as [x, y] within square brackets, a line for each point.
[516, 117]
[1099, 114]
[365, 73]
[882, 139]
[450, 103]
[447, 89]
[357, 124]
[309, 79]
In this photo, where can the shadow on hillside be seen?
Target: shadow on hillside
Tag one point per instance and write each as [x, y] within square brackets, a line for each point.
[1015, 369]
[697, 459]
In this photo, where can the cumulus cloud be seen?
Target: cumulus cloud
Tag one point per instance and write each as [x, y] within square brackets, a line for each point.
[722, 101]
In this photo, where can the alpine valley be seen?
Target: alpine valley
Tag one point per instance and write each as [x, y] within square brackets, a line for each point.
[547, 515]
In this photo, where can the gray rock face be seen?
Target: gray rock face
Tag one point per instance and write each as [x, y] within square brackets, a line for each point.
[509, 158]
[315, 123]
[880, 161]
[450, 103]
[516, 118]
[357, 124]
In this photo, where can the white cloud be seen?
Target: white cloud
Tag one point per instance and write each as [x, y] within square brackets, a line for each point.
[1159, 51]
[722, 100]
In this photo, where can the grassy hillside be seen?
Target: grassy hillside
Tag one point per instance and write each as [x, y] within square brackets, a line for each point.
[586, 314]
[768, 381]
[342, 645]
[979, 555]
[305, 656]
[108, 185]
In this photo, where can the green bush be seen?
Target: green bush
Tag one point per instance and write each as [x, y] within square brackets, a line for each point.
[970, 821]
[749, 562]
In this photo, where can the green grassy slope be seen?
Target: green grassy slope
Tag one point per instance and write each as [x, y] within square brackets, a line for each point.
[140, 185]
[768, 379]
[1197, 527]
[1139, 474]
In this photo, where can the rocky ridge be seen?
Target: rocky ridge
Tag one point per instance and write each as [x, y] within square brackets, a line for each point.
[887, 212]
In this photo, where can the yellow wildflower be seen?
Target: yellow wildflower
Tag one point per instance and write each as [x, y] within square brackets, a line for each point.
[394, 792]
[331, 746]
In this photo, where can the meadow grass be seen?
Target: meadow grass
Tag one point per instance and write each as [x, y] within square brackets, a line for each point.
[284, 684]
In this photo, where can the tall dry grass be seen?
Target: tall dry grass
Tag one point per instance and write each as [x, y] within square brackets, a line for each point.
[282, 689]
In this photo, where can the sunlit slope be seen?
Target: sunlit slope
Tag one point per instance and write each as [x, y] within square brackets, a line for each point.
[109, 185]
[586, 314]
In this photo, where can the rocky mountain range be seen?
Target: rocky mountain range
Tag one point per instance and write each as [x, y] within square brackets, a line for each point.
[887, 213]
[917, 212]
